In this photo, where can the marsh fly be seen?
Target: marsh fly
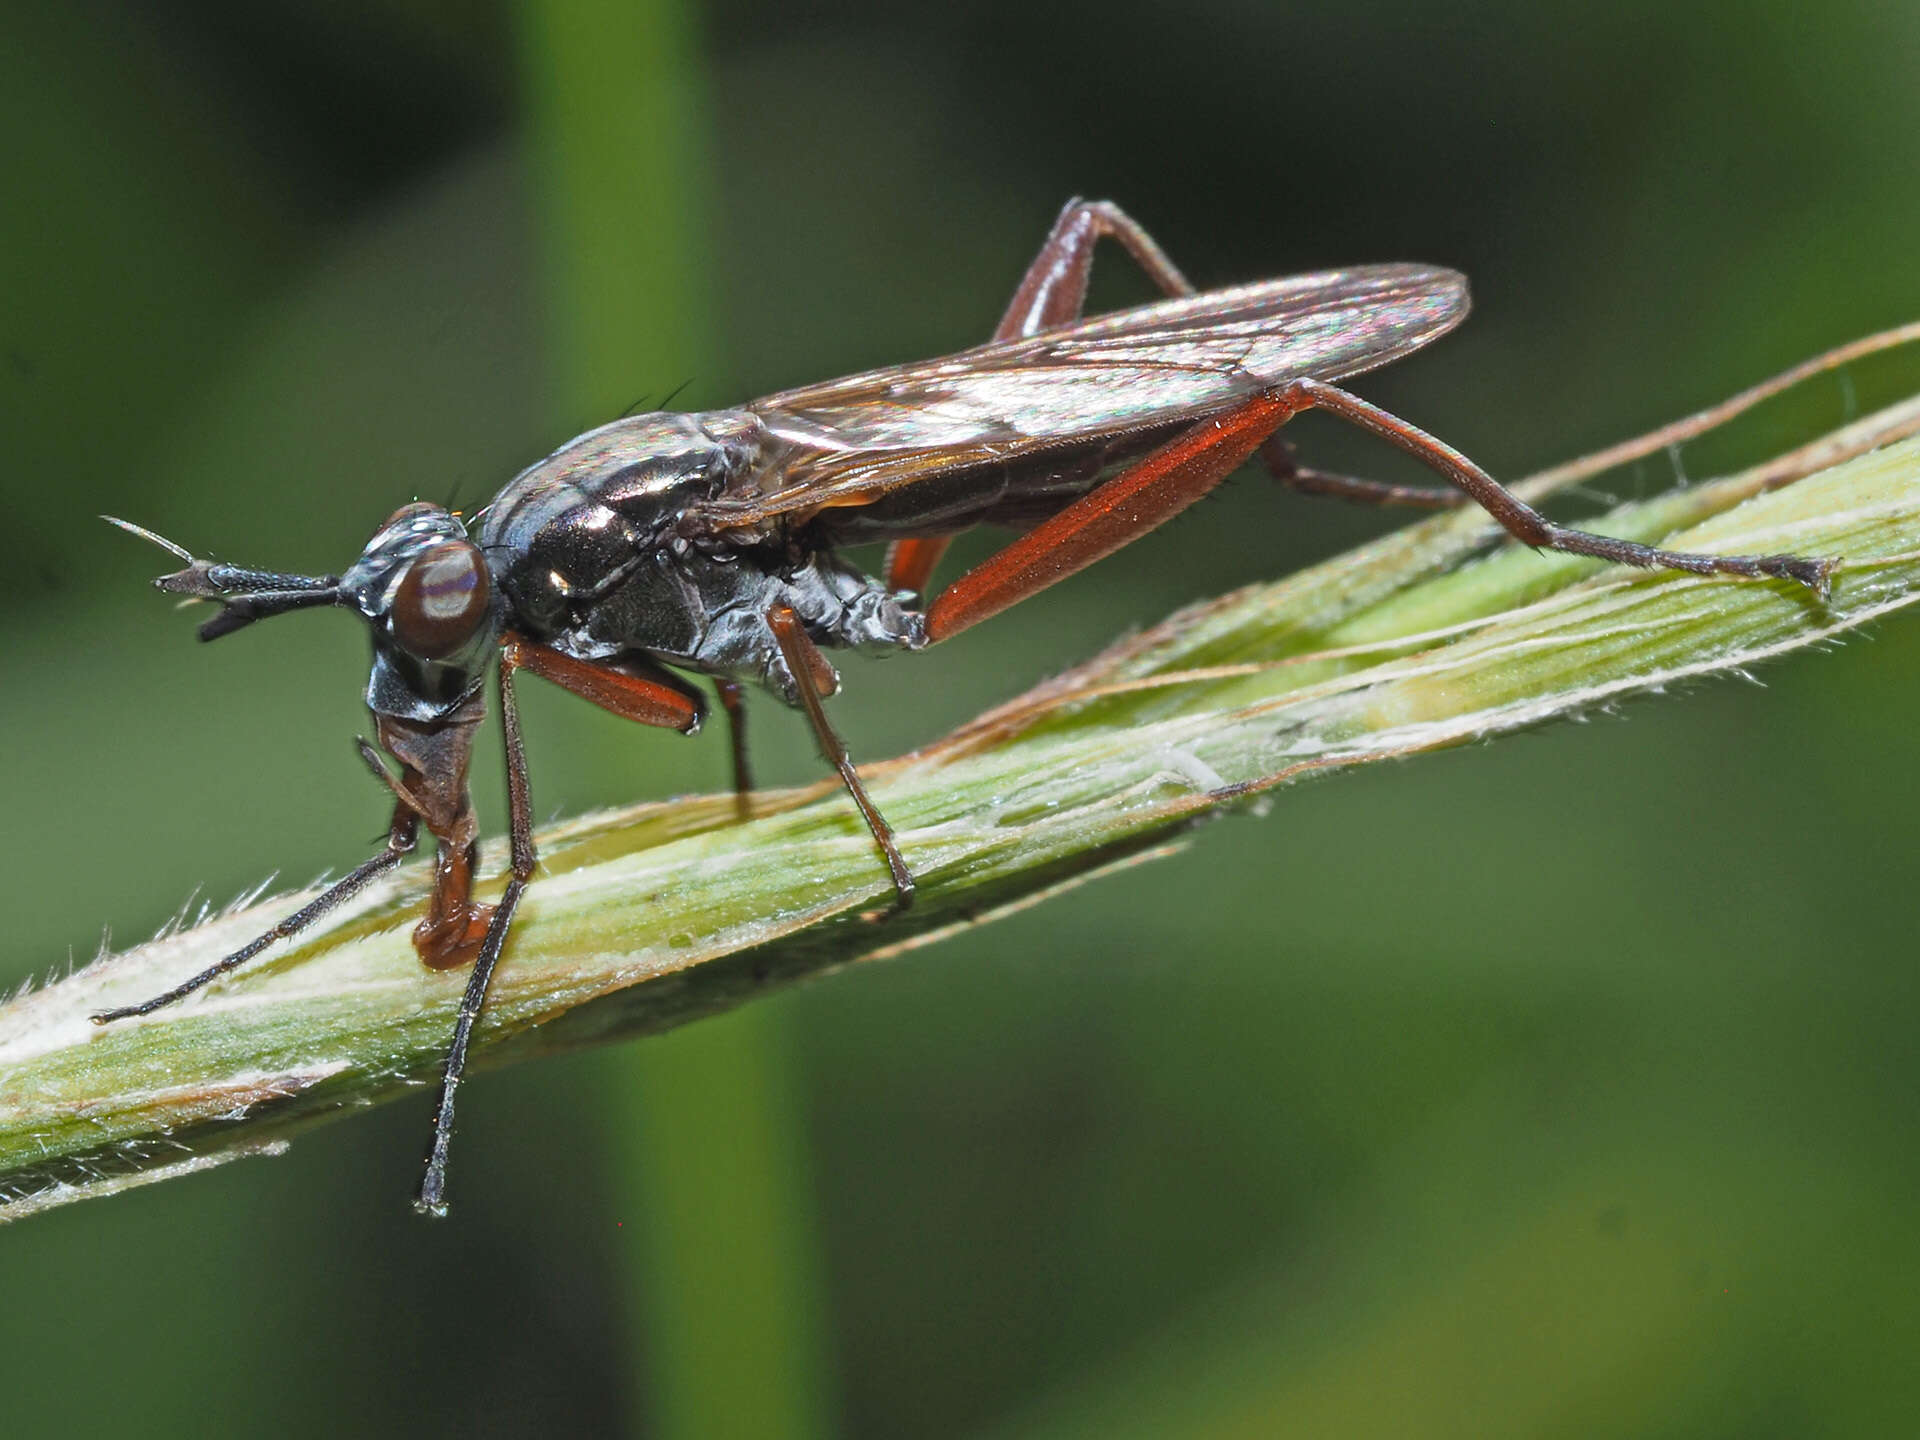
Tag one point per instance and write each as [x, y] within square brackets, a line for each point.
[709, 543]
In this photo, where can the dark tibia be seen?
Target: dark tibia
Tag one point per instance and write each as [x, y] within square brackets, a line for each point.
[433, 1188]
[734, 701]
[809, 667]
[400, 840]
[1279, 459]
[1528, 525]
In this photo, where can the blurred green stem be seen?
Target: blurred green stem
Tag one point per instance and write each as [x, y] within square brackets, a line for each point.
[704, 1135]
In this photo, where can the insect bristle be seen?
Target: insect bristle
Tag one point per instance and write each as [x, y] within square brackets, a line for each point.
[145, 534]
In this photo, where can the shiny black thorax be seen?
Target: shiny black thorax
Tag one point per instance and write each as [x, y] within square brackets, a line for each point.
[604, 548]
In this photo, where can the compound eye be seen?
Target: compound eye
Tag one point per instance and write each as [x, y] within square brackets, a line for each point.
[441, 600]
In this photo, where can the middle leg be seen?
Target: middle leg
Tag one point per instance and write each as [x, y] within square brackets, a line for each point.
[734, 701]
[811, 677]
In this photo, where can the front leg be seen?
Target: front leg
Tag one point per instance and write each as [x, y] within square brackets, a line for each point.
[400, 842]
[434, 757]
[433, 1187]
[630, 688]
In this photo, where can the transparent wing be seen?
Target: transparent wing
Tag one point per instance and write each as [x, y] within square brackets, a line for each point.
[850, 441]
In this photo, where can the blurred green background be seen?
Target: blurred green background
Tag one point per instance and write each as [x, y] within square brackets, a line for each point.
[1564, 1086]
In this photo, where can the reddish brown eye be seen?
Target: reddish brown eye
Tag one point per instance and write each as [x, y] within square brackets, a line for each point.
[441, 600]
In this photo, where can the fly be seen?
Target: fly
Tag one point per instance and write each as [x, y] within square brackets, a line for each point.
[709, 543]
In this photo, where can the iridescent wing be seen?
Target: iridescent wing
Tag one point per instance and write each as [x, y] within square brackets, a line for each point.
[848, 442]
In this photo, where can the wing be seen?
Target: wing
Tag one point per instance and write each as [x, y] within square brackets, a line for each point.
[848, 442]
